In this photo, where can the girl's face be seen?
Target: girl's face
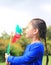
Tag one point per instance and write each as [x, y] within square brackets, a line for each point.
[30, 31]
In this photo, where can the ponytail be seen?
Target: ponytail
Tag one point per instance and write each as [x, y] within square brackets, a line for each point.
[47, 59]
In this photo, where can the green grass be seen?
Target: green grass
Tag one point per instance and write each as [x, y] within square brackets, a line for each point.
[44, 61]
[2, 63]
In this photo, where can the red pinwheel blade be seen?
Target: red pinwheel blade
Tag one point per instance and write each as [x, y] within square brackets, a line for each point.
[15, 38]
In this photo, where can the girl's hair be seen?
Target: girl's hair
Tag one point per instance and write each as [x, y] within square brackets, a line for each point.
[41, 25]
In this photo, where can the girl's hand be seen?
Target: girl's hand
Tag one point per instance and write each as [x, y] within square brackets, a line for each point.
[6, 57]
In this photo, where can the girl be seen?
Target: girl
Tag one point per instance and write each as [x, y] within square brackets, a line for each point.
[33, 55]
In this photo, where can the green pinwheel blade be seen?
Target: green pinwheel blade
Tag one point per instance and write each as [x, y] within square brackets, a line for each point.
[8, 49]
[18, 29]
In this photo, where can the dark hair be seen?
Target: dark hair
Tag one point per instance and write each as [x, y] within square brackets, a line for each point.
[41, 25]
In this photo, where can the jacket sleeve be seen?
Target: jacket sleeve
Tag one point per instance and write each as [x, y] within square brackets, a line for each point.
[26, 58]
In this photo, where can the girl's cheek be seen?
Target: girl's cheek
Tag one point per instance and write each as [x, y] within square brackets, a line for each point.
[29, 34]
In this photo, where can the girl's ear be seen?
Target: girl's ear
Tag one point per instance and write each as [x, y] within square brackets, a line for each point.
[35, 31]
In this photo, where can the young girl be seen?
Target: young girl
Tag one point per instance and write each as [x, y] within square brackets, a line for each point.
[33, 55]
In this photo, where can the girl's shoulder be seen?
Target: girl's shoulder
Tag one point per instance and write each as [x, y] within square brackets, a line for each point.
[37, 44]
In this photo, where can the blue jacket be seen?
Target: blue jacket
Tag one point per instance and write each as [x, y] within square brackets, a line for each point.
[32, 56]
